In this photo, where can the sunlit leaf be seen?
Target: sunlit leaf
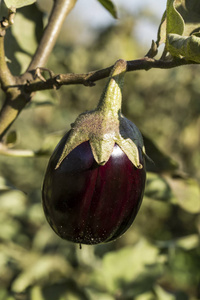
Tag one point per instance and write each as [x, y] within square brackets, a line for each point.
[9, 227]
[188, 242]
[12, 202]
[175, 23]
[96, 295]
[108, 4]
[186, 192]
[47, 266]
[162, 294]
[36, 293]
[186, 46]
[5, 184]
[18, 3]
[145, 296]
[126, 265]
[161, 35]
[181, 17]
[171, 22]
[157, 187]
[45, 236]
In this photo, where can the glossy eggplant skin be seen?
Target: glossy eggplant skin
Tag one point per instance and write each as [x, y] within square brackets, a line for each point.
[87, 203]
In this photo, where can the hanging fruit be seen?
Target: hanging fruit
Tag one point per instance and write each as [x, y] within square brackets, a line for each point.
[95, 179]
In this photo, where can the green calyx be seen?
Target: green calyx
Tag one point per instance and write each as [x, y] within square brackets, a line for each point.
[105, 126]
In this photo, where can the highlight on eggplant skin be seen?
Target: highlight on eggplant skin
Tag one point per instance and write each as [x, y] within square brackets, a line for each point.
[87, 203]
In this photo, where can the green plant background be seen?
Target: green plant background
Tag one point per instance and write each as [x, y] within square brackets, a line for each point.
[159, 256]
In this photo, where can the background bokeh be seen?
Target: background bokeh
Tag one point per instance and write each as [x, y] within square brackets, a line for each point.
[158, 258]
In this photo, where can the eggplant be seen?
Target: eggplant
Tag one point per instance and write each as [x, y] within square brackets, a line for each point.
[95, 179]
[87, 203]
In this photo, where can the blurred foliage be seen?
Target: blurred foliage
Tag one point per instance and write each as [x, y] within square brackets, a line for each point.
[158, 258]
[23, 42]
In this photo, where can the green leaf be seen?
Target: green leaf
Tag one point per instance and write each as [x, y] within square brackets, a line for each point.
[63, 290]
[190, 12]
[95, 295]
[110, 7]
[185, 46]
[171, 22]
[145, 296]
[161, 161]
[43, 268]
[4, 184]
[188, 242]
[116, 271]
[181, 17]
[162, 294]
[157, 187]
[175, 23]
[11, 138]
[36, 293]
[161, 35]
[13, 202]
[186, 193]
[18, 3]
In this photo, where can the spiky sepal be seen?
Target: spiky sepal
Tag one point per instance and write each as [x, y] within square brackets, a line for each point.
[106, 126]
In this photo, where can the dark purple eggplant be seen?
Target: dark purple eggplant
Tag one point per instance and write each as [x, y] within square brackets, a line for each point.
[95, 179]
[87, 203]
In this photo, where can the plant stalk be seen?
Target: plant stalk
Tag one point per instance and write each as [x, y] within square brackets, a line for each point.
[6, 78]
[60, 10]
[111, 99]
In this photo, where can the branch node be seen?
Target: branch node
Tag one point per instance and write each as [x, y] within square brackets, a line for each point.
[88, 83]
[7, 22]
[38, 73]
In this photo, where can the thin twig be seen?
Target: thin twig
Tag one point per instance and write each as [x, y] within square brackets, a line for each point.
[60, 10]
[88, 79]
[16, 152]
[6, 78]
